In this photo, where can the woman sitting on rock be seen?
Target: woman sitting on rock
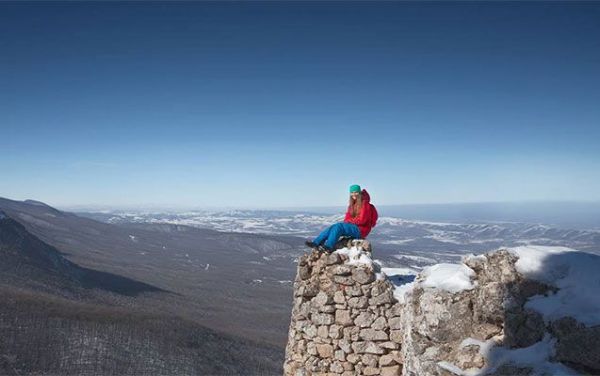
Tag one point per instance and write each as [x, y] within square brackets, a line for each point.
[361, 217]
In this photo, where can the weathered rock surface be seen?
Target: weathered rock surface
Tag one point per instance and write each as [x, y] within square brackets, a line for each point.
[577, 344]
[352, 338]
[433, 331]
[439, 327]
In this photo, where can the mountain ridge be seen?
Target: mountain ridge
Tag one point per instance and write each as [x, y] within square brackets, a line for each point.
[23, 252]
[206, 272]
[74, 312]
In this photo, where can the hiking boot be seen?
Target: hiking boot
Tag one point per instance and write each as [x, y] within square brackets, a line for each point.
[323, 248]
[311, 244]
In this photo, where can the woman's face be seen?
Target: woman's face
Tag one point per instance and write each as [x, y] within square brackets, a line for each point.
[354, 195]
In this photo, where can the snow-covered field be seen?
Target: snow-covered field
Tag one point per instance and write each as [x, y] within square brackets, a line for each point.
[398, 242]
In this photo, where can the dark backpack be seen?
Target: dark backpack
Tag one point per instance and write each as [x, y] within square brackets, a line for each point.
[374, 215]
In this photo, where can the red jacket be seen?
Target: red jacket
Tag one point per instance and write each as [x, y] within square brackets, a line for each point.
[365, 220]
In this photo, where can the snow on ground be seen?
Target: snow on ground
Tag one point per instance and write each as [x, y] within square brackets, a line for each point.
[574, 273]
[401, 221]
[398, 241]
[443, 236]
[415, 258]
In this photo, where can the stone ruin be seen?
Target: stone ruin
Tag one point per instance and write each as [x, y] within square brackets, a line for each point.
[346, 321]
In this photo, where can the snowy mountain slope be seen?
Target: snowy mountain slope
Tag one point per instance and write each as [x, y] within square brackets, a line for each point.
[398, 241]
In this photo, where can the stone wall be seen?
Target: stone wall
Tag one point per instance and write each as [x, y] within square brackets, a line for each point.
[345, 319]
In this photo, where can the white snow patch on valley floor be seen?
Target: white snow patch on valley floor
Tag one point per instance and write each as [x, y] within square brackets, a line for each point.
[398, 241]
[415, 258]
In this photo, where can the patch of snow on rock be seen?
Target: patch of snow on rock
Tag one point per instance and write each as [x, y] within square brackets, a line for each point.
[356, 256]
[451, 368]
[449, 277]
[573, 272]
[535, 356]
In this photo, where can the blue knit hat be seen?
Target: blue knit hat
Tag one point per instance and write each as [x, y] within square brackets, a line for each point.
[354, 188]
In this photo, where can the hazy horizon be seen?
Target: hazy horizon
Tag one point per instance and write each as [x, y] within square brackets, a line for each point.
[565, 214]
[289, 207]
[179, 207]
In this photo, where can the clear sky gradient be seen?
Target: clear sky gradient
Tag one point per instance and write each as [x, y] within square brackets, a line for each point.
[286, 104]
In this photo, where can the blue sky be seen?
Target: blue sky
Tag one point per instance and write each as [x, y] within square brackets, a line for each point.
[286, 104]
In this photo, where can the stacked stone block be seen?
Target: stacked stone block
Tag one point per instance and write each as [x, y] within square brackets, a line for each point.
[345, 321]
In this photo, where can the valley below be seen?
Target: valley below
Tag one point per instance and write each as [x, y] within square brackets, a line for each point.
[195, 292]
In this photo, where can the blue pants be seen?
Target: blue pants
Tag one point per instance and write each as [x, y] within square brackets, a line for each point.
[332, 233]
